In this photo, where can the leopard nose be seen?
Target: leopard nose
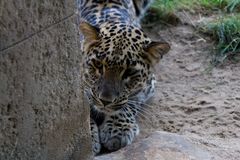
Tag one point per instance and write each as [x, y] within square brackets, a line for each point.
[105, 103]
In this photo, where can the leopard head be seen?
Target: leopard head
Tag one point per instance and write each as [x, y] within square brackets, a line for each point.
[118, 61]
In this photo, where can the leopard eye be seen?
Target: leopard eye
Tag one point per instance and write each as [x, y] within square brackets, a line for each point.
[97, 64]
[129, 73]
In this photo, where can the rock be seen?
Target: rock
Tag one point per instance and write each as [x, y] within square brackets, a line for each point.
[193, 67]
[160, 146]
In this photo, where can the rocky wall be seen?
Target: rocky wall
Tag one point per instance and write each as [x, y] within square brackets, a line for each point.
[43, 114]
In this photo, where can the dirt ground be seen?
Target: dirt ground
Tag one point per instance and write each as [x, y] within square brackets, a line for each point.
[192, 100]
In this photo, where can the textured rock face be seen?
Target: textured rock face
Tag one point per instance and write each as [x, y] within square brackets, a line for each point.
[23, 18]
[160, 146]
[42, 111]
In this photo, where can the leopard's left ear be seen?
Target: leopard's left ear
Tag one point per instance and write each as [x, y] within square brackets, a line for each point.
[155, 51]
[90, 33]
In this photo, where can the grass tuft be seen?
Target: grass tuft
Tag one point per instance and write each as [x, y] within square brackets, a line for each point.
[176, 5]
[164, 10]
[233, 5]
[226, 32]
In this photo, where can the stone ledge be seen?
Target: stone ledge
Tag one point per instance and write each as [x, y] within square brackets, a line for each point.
[160, 146]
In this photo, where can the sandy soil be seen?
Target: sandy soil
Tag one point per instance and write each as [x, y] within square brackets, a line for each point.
[191, 100]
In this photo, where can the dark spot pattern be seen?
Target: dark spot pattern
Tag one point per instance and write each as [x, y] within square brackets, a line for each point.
[120, 47]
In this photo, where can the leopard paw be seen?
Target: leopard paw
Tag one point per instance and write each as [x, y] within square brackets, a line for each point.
[96, 146]
[115, 135]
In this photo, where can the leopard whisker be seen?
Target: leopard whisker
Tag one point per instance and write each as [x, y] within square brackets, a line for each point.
[144, 114]
[141, 114]
[86, 84]
[142, 109]
[92, 96]
[139, 102]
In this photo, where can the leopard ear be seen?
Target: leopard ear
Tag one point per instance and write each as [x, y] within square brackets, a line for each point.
[155, 51]
[90, 33]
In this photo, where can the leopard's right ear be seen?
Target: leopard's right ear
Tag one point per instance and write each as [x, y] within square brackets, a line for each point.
[90, 33]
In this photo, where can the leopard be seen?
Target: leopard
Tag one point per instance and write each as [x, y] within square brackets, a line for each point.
[118, 68]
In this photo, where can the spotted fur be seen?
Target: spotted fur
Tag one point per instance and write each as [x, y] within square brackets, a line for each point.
[118, 62]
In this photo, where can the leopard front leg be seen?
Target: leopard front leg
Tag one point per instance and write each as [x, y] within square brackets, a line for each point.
[118, 131]
[96, 146]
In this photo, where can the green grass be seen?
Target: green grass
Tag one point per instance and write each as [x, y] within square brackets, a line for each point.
[164, 10]
[176, 5]
[233, 5]
[226, 32]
